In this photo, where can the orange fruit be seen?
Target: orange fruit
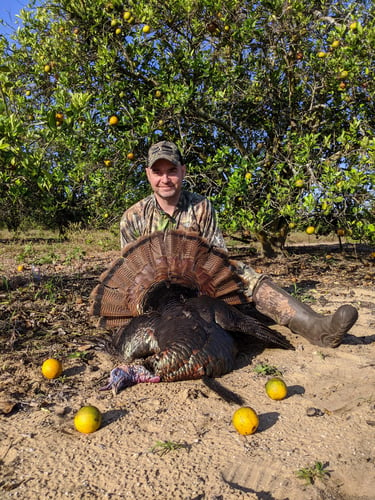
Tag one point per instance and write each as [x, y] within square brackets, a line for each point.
[88, 419]
[146, 28]
[20, 268]
[113, 120]
[130, 156]
[52, 368]
[276, 388]
[310, 230]
[108, 163]
[299, 183]
[245, 420]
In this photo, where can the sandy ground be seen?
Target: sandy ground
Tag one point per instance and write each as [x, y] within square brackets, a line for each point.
[42, 456]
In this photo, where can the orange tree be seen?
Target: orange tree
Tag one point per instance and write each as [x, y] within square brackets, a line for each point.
[271, 103]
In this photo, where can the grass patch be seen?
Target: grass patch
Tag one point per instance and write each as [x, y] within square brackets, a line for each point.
[266, 370]
[164, 447]
[314, 472]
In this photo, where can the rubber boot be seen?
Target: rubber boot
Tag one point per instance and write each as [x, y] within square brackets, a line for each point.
[325, 331]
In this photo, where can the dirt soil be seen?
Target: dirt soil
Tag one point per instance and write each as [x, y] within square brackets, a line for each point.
[327, 417]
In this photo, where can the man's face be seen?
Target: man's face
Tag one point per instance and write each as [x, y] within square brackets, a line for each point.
[166, 179]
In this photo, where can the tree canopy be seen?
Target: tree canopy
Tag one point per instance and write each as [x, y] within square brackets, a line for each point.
[271, 103]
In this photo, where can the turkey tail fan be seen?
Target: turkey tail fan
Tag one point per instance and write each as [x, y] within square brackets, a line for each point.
[173, 258]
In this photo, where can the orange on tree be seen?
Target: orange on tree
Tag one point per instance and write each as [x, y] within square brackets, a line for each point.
[130, 156]
[310, 230]
[146, 28]
[52, 368]
[113, 120]
[245, 420]
[88, 419]
[276, 388]
[299, 183]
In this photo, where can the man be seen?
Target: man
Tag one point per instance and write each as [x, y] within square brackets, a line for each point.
[171, 207]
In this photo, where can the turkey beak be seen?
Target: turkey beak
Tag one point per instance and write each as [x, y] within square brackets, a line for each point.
[116, 387]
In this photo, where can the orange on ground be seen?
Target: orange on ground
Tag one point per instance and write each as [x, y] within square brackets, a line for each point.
[88, 419]
[276, 388]
[52, 368]
[245, 420]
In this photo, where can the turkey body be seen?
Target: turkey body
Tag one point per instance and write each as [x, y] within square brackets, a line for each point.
[173, 298]
[181, 342]
[190, 339]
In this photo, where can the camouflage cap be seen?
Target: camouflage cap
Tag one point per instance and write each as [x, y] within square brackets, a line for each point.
[164, 150]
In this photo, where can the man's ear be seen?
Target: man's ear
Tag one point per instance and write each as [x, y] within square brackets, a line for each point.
[148, 173]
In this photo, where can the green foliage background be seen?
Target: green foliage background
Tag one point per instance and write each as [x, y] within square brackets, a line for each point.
[258, 95]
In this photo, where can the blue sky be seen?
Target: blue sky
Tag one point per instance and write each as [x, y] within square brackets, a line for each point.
[8, 11]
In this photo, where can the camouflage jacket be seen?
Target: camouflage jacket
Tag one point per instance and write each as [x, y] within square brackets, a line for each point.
[193, 212]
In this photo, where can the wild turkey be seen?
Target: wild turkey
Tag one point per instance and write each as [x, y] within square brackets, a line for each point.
[172, 296]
